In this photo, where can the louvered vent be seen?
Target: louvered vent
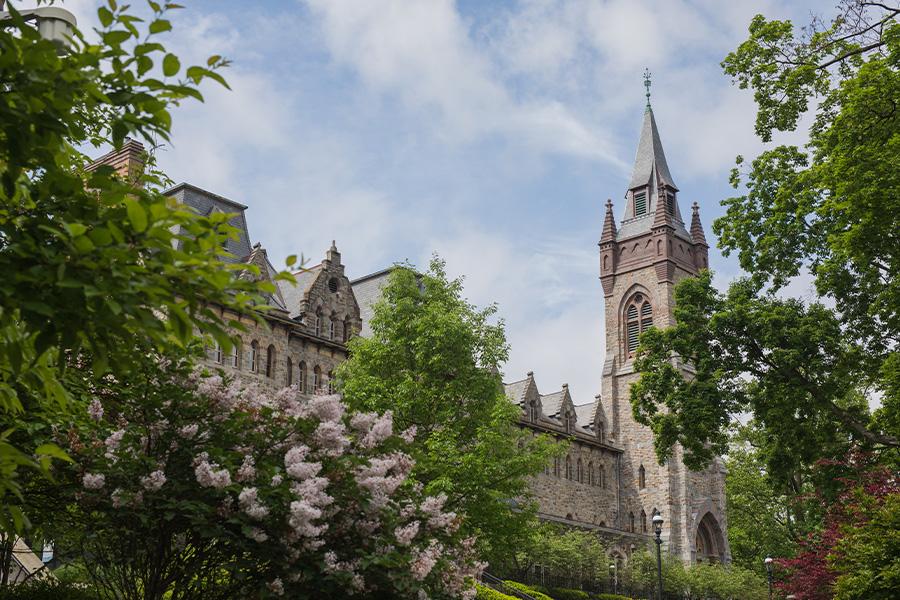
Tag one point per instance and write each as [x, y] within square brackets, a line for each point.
[640, 204]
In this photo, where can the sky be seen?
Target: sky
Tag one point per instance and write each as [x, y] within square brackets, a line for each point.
[490, 133]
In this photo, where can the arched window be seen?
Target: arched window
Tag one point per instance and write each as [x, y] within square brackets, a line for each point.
[290, 371]
[317, 378]
[568, 467]
[643, 521]
[270, 361]
[330, 382]
[631, 522]
[331, 327]
[642, 477]
[556, 466]
[348, 328]
[254, 356]
[601, 431]
[590, 473]
[580, 471]
[301, 381]
[318, 322]
[234, 358]
[215, 353]
[638, 318]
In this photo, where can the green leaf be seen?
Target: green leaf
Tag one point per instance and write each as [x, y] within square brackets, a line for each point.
[171, 65]
[136, 214]
[291, 260]
[160, 25]
[105, 16]
[52, 450]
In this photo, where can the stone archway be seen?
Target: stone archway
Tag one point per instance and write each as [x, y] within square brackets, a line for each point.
[709, 542]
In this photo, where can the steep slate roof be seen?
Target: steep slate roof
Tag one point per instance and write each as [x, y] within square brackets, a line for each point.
[650, 158]
[205, 203]
[367, 290]
[515, 391]
[585, 414]
[295, 294]
[552, 403]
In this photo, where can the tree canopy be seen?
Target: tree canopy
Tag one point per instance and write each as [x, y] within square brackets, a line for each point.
[433, 359]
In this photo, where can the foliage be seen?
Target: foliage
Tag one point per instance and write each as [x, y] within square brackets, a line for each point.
[568, 594]
[434, 360]
[804, 371]
[698, 581]
[611, 597]
[47, 590]
[855, 551]
[528, 590]
[190, 485]
[94, 264]
[764, 518]
[561, 551]
[641, 571]
[486, 593]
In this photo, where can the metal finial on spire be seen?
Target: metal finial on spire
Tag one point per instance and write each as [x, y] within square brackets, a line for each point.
[647, 84]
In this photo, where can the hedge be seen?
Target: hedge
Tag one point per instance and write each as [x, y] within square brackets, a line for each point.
[537, 595]
[611, 597]
[567, 594]
[484, 593]
[47, 590]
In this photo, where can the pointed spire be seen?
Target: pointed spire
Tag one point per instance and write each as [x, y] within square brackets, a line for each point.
[609, 224]
[697, 235]
[647, 85]
[650, 159]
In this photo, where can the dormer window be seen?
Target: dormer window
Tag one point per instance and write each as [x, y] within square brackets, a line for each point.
[670, 203]
[640, 203]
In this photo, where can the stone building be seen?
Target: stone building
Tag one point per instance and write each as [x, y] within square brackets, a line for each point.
[610, 481]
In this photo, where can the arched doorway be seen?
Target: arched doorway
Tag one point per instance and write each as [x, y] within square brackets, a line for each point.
[709, 543]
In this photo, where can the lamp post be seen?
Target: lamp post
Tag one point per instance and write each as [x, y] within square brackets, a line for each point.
[657, 527]
[769, 562]
[614, 575]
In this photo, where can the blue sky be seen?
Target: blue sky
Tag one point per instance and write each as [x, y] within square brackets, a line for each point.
[491, 133]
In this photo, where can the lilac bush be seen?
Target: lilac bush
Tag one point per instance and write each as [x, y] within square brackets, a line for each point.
[197, 485]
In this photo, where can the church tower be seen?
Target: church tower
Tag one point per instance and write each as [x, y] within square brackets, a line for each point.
[641, 260]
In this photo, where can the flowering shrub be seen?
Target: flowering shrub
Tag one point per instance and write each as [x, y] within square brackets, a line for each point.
[196, 485]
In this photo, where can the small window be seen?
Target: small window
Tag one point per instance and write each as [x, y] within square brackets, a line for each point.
[601, 431]
[254, 356]
[331, 382]
[640, 204]
[643, 521]
[631, 522]
[556, 466]
[234, 359]
[601, 477]
[568, 467]
[642, 477]
[301, 379]
[317, 379]
[215, 353]
[333, 285]
[590, 473]
[318, 323]
[670, 203]
[331, 329]
[290, 371]
[580, 472]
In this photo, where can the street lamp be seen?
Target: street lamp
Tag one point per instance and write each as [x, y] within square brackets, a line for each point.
[614, 575]
[657, 527]
[769, 562]
[53, 23]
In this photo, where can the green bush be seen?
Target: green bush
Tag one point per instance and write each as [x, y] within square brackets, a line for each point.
[611, 597]
[484, 593]
[567, 594]
[48, 590]
[537, 595]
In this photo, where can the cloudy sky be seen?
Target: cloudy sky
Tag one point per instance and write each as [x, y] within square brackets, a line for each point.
[491, 133]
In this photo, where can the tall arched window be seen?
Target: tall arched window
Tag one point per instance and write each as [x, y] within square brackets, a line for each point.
[601, 431]
[215, 352]
[580, 471]
[638, 318]
[301, 381]
[290, 371]
[270, 361]
[254, 356]
[234, 358]
[331, 327]
[318, 322]
[556, 466]
[317, 378]
[631, 522]
[642, 477]
[643, 521]
[590, 473]
[568, 467]
[330, 382]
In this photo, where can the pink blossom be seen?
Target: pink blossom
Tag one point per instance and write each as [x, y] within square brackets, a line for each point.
[95, 410]
[327, 408]
[276, 587]
[247, 470]
[112, 443]
[116, 498]
[154, 481]
[276, 480]
[93, 481]
[208, 476]
[249, 501]
[381, 429]
[424, 560]
[406, 533]
[408, 435]
[257, 535]
[301, 520]
[331, 438]
[363, 421]
[189, 431]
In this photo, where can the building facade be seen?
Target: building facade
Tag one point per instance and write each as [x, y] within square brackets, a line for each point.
[610, 481]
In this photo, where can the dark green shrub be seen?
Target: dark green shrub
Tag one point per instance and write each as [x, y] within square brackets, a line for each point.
[537, 595]
[47, 590]
[611, 597]
[567, 594]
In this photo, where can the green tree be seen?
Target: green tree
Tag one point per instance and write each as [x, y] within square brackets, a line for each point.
[433, 359]
[94, 265]
[804, 371]
[561, 552]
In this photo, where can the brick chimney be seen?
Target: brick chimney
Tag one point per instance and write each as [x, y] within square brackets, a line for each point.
[128, 161]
